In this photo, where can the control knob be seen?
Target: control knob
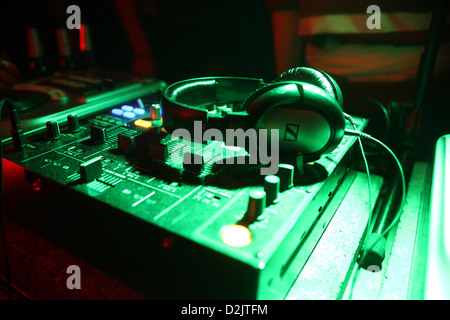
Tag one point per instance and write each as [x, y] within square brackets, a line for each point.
[72, 123]
[286, 175]
[272, 189]
[256, 205]
[52, 128]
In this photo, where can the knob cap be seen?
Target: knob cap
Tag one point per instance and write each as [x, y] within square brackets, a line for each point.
[193, 162]
[91, 169]
[126, 142]
[155, 112]
[158, 151]
[286, 175]
[72, 123]
[98, 134]
[53, 131]
[256, 205]
[272, 189]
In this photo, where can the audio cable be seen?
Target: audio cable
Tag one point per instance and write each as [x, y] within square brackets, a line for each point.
[402, 175]
[366, 166]
[374, 243]
[380, 107]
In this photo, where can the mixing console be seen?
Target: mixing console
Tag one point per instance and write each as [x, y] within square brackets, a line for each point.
[115, 188]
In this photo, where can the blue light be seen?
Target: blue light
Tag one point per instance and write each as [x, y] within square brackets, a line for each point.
[129, 115]
[117, 112]
[139, 111]
[127, 108]
[140, 103]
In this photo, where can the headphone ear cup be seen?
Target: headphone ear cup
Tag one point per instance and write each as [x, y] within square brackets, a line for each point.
[305, 106]
[308, 120]
[315, 77]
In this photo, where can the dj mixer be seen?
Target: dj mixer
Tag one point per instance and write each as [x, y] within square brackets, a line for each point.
[100, 176]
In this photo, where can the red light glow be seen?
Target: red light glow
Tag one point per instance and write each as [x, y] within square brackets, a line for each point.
[82, 38]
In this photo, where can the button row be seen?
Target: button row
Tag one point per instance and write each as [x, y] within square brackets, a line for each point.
[128, 112]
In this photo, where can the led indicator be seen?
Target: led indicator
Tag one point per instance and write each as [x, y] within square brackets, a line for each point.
[140, 103]
[129, 115]
[167, 242]
[143, 124]
[236, 236]
[117, 112]
[127, 108]
[139, 111]
[82, 32]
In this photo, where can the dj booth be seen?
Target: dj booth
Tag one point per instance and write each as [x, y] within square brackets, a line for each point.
[100, 202]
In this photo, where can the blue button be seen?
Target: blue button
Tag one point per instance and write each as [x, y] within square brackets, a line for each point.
[127, 108]
[139, 111]
[129, 115]
[117, 112]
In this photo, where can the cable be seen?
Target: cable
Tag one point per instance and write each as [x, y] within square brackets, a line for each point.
[2, 229]
[399, 211]
[379, 105]
[363, 154]
[400, 168]
[366, 229]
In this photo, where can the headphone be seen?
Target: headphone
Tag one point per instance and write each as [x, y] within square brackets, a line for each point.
[304, 104]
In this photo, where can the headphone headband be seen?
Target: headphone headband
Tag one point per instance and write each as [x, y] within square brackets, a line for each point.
[216, 101]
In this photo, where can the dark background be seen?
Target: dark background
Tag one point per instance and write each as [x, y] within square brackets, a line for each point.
[188, 38]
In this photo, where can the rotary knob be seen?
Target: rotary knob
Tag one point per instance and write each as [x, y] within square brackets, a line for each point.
[52, 128]
[256, 205]
[72, 123]
[286, 175]
[98, 134]
[272, 189]
[155, 112]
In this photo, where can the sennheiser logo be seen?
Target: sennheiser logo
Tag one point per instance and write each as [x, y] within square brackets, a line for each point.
[291, 132]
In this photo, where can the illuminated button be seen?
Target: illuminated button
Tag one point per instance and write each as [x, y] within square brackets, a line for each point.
[129, 115]
[117, 112]
[139, 111]
[143, 123]
[236, 236]
[127, 108]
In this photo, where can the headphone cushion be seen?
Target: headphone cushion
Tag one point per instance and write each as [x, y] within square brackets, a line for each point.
[315, 77]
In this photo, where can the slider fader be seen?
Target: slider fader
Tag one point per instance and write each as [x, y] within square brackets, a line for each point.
[116, 191]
